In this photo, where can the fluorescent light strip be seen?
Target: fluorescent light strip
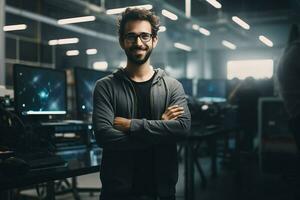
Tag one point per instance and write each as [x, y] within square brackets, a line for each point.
[204, 31]
[266, 41]
[214, 3]
[76, 20]
[188, 8]
[100, 65]
[63, 41]
[72, 53]
[162, 29]
[169, 14]
[182, 46]
[68, 41]
[241, 22]
[229, 45]
[15, 27]
[91, 51]
[120, 10]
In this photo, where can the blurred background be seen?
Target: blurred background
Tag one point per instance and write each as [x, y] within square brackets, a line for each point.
[226, 55]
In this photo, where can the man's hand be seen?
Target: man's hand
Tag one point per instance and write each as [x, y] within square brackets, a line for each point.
[122, 124]
[172, 112]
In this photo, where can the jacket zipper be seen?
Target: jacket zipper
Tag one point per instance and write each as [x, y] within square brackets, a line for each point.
[152, 97]
[135, 100]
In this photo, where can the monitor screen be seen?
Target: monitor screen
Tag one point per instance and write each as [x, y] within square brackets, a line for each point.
[39, 91]
[85, 82]
[187, 85]
[211, 90]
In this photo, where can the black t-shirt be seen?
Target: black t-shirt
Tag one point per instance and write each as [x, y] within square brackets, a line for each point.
[142, 91]
[143, 172]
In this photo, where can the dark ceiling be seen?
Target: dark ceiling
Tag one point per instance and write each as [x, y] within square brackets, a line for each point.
[268, 17]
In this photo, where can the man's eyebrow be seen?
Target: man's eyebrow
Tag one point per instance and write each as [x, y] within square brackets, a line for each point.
[136, 33]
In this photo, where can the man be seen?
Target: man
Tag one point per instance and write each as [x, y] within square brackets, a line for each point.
[138, 114]
[289, 80]
[288, 74]
[246, 96]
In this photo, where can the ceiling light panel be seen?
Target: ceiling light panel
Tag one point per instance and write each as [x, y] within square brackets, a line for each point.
[76, 20]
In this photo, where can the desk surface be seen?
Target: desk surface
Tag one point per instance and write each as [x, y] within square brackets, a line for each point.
[85, 162]
[77, 164]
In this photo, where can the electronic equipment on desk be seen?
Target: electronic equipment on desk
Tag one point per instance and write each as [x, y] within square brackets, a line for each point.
[40, 159]
[48, 161]
[213, 90]
[277, 145]
[13, 130]
[6, 92]
[6, 102]
[85, 80]
[66, 135]
[39, 91]
[40, 96]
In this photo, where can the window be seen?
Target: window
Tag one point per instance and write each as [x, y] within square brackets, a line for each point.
[257, 69]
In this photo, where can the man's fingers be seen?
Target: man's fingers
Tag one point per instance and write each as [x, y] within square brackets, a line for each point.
[176, 114]
[171, 107]
[176, 109]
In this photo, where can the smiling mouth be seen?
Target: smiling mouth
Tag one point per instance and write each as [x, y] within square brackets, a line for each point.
[138, 51]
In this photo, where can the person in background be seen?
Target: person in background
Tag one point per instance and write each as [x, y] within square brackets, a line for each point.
[245, 95]
[288, 75]
[289, 81]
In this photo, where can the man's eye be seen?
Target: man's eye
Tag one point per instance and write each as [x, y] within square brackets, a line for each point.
[145, 36]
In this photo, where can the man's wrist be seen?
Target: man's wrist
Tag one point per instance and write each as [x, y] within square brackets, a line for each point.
[136, 125]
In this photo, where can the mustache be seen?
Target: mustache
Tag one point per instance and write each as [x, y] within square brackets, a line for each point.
[138, 48]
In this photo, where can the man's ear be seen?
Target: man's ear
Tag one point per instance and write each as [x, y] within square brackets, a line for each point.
[121, 42]
[154, 41]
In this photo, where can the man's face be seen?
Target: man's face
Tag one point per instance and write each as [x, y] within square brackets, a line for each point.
[137, 41]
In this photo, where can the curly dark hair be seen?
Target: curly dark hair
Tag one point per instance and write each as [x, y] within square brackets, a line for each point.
[132, 14]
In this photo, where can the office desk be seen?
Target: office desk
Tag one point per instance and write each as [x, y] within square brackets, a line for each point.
[87, 163]
[191, 144]
[83, 163]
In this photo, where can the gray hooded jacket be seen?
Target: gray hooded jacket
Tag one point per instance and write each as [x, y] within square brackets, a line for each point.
[114, 96]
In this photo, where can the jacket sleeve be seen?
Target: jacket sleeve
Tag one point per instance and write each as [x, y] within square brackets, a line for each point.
[159, 130]
[103, 116]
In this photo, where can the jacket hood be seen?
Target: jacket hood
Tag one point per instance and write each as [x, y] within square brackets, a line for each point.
[159, 73]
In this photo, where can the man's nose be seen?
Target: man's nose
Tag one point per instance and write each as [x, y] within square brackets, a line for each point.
[139, 41]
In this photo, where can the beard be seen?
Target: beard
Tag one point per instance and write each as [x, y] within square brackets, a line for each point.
[137, 59]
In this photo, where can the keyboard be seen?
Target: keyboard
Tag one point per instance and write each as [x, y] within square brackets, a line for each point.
[46, 162]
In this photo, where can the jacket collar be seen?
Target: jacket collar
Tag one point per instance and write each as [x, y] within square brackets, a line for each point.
[120, 73]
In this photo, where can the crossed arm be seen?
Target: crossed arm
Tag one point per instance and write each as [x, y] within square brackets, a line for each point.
[118, 133]
[172, 113]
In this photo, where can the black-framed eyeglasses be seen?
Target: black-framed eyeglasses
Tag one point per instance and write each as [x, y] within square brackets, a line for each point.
[145, 37]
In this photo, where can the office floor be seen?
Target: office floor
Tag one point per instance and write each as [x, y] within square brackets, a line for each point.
[226, 186]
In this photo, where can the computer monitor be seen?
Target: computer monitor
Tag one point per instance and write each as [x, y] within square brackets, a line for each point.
[187, 85]
[39, 91]
[85, 80]
[213, 90]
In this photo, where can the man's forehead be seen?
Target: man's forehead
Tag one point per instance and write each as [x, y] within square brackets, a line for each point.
[138, 26]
